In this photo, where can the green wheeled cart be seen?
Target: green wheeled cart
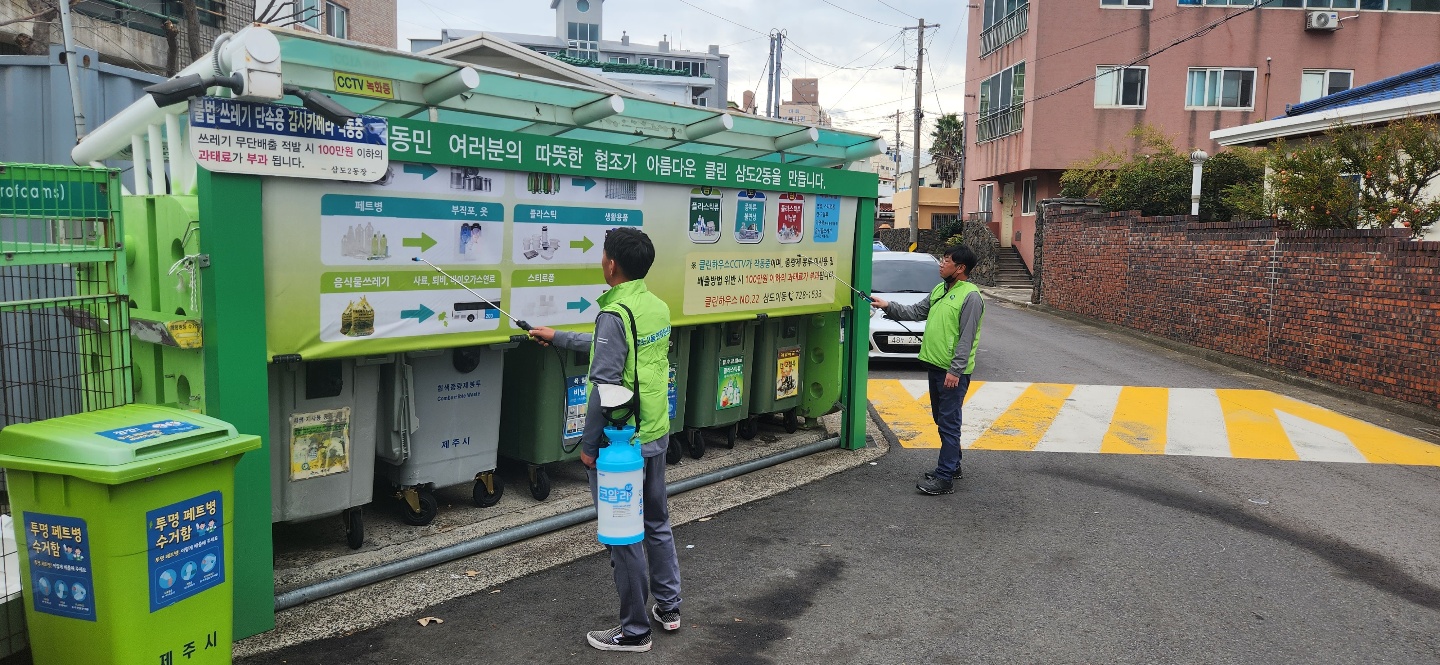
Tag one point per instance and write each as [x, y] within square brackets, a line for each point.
[681, 437]
[721, 356]
[543, 409]
[126, 519]
[779, 373]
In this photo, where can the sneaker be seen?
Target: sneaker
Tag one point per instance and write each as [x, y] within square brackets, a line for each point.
[615, 639]
[959, 473]
[935, 486]
[668, 619]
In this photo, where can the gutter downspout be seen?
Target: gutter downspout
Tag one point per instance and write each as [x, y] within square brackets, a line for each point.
[69, 34]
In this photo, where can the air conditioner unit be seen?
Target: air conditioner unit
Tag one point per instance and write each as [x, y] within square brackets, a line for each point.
[1322, 20]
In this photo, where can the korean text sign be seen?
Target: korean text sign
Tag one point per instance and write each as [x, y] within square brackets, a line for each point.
[187, 549]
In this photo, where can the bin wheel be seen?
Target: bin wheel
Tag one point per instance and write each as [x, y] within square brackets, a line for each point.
[429, 508]
[540, 486]
[485, 498]
[676, 450]
[695, 443]
[792, 421]
[354, 527]
[747, 428]
[730, 433]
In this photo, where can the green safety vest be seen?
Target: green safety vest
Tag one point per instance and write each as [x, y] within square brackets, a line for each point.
[942, 326]
[652, 332]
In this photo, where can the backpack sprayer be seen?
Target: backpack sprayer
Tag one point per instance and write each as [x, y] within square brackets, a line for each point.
[860, 293]
[619, 470]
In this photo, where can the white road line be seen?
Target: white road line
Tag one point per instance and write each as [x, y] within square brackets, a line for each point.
[988, 402]
[1082, 422]
[916, 387]
[1197, 424]
[1314, 442]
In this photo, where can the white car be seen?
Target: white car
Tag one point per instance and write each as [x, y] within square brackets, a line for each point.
[900, 277]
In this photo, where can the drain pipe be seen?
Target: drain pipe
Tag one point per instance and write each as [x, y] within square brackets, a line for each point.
[68, 32]
[355, 580]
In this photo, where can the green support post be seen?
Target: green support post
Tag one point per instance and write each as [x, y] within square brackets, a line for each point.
[857, 365]
[236, 380]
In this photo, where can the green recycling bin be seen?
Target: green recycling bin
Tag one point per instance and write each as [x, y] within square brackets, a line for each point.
[721, 364]
[779, 372]
[125, 516]
[543, 409]
[682, 439]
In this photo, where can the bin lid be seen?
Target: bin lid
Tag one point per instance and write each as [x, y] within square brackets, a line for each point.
[120, 444]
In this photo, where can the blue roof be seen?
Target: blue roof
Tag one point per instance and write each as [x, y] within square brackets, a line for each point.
[1414, 82]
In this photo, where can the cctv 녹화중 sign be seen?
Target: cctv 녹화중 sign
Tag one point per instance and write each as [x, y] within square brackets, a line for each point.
[230, 136]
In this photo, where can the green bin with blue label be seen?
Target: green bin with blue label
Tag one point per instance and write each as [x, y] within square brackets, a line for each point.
[125, 520]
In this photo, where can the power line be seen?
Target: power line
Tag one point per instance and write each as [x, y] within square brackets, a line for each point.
[897, 9]
[890, 25]
[697, 7]
[872, 65]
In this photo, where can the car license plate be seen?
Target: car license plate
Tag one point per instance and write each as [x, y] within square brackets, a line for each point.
[905, 340]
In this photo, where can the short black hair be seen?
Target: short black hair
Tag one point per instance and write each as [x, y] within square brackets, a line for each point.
[961, 255]
[630, 249]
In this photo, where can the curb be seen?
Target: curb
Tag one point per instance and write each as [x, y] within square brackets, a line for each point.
[1246, 365]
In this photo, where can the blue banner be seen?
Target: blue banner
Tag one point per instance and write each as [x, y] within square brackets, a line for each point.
[827, 219]
[283, 120]
[187, 549]
[60, 575]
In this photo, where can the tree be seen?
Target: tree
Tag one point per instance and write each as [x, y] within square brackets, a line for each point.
[947, 148]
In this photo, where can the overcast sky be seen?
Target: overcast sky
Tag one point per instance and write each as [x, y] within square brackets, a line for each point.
[850, 45]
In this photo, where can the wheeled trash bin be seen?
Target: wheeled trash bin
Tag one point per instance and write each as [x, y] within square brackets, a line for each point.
[681, 437]
[720, 367]
[125, 515]
[779, 373]
[544, 412]
[322, 440]
[444, 424]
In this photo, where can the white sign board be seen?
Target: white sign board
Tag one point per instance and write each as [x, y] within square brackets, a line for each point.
[230, 136]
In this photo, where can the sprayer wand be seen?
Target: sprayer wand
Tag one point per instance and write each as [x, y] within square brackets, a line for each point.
[860, 293]
[518, 323]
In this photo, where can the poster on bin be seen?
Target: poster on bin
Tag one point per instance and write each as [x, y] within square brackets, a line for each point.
[787, 371]
[460, 234]
[319, 443]
[187, 549]
[231, 136]
[61, 578]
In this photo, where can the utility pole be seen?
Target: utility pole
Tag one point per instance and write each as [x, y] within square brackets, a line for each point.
[779, 53]
[770, 80]
[919, 115]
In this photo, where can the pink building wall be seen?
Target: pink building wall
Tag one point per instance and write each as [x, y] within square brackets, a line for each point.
[1062, 129]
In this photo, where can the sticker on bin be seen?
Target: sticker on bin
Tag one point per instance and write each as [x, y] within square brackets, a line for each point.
[60, 575]
[672, 394]
[575, 399]
[155, 430]
[187, 549]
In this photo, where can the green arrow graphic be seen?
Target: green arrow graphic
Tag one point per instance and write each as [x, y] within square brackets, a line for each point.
[582, 304]
[583, 244]
[424, 242]
[418, 314]
[422, 170]
[587, 182]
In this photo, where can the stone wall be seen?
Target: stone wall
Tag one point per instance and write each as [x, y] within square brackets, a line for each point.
[1359, 309]
[977, 236]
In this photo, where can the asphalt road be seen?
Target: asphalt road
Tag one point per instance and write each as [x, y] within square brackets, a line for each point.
[1038, 557]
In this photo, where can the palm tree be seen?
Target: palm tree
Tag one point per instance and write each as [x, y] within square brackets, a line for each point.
[947, 144]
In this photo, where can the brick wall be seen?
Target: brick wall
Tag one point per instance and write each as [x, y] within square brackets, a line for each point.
[372, 21]
[1355, 308]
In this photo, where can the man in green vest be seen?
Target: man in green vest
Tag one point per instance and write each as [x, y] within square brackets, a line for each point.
[952, 316]
[631, 347]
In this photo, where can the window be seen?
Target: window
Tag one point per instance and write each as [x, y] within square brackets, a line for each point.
[1027, 196]
[309, 14]
[987, 197]
[1220, 88]
[997, 10]
[1134, 4]
[1002, 104]
[620, 59]
[699, 100]
[1120, 86]
[337, 21]
[1317, 83]
[584, 41]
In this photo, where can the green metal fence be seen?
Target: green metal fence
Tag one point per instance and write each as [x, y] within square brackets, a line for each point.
[64, 318]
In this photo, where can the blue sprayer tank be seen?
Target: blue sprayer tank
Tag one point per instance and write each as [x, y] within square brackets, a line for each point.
[619, 488]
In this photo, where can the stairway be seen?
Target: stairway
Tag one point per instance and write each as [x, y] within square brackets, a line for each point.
[1012, 270]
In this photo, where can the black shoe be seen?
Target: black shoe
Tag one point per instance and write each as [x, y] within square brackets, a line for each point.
[933, 486]
[668, 619]
[616, 640]
[930, 475]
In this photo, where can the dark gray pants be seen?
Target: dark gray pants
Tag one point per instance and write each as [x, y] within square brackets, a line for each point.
[650, 563]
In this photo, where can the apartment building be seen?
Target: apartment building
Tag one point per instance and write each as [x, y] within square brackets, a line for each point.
[367, 21]
[1044, 89]
[804, 104]
[135, 33]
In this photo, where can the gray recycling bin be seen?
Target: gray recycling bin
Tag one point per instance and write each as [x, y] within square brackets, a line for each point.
[779, 373]
[322, 440]
[443, 422]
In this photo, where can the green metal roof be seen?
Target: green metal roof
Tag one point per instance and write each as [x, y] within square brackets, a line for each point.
[518, 103]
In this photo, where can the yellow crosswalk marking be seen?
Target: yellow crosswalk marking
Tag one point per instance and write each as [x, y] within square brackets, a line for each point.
[1251, 424]
[1021, 427]
[1138, 426]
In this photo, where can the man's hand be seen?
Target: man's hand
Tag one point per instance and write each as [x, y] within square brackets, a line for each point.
[543, 335]
[587, 460]
[879, 303]
[951, 381]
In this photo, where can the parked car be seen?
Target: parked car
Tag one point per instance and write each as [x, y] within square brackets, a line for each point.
[900, 277]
